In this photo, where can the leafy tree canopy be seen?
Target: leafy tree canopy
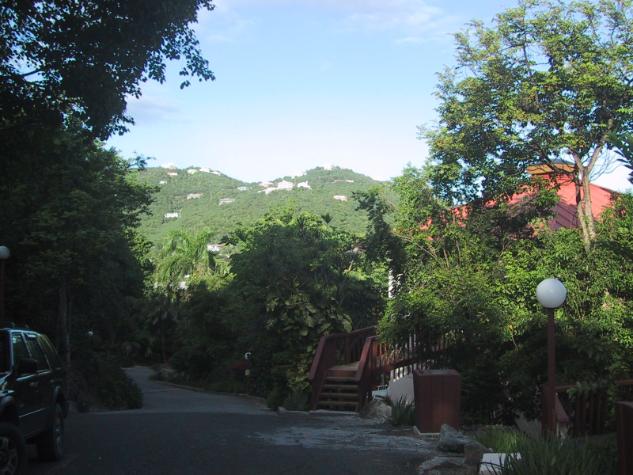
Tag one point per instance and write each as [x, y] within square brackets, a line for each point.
[84, 57]
[548, 81]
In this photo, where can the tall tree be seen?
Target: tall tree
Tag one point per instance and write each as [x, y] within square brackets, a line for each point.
[549, 81]
[69, 213]
[59, 57]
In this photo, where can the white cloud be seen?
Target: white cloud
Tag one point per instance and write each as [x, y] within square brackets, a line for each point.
[151, 108]
[224, 24]
[412, 21]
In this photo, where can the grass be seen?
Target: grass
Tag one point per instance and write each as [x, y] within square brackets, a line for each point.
[551, 456]
[500, 439]
[402, 412]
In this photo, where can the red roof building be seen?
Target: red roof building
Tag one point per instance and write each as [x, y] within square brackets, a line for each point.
[565, 211]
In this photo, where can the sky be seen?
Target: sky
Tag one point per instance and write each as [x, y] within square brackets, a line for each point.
[306, 83]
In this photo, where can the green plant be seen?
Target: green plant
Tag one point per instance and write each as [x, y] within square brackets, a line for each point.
[296, 401]
[500, 439]
[275, 398]
[402, 412]
[99, 379]
[549, 456]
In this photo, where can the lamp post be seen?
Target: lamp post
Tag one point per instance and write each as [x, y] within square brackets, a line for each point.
[4, 255]
[551, 294]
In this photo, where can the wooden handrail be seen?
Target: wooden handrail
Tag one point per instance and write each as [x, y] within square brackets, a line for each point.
[619, 382]
[589, 413]
[329, 353]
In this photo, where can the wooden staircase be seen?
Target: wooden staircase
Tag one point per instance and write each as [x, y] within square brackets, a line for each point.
[348, 366]
[340, 390]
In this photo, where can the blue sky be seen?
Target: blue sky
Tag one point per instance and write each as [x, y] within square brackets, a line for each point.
[303, 83]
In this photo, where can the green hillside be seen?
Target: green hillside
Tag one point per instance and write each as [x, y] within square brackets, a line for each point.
[207, 198]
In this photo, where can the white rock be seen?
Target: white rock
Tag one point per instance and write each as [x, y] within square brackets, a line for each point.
[340, 197]
[491, 463]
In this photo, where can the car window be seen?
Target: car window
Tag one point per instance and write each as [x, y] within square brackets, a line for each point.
[49, 349]
[36, 352]
[19, 348]
[4, 352]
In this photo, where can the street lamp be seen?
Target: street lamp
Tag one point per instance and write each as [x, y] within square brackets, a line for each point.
[4, 255]
[551, 294]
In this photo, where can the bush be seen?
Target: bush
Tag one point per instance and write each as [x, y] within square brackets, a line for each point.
[551, 456]
[99, 380]
[500, 439]
[296, 401]
[402, 412]
[275, 398]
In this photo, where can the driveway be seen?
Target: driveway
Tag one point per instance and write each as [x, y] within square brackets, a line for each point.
[182, 431]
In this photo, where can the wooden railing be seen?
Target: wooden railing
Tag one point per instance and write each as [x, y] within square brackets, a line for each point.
[587, 412]
[381, 362]
[336, 349]
[624, 418]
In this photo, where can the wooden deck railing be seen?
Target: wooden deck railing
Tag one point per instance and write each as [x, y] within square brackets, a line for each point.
[624, 418]
[586, 413]
[378, 362]
[381, 362]
[336, 349]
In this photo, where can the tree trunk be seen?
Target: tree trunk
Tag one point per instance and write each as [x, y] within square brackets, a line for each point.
[584, 211]
[587, 208]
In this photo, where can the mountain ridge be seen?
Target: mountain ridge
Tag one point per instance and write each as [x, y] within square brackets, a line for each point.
[194, 198]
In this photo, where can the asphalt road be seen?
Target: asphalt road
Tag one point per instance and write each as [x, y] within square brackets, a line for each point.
[180, 431]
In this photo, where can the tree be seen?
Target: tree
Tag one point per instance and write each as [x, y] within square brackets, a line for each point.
[548, 83]
[84, 58]
[185, 256]
[69, 215]
[293, 283]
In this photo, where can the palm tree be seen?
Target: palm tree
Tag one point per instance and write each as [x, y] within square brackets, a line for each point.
[185, 255]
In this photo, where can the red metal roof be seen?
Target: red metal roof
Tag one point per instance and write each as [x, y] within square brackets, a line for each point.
[565, 214]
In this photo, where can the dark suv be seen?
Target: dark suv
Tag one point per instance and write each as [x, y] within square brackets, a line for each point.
[32, 399]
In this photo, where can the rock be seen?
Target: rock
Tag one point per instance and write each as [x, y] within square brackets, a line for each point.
[446, 466]
[473, 452]
[377, 409]
[451, 440]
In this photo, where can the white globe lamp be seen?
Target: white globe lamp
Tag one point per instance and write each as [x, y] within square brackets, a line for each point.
[551, 293]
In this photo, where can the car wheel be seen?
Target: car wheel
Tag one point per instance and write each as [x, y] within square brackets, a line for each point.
[50, 444]
[12, 450]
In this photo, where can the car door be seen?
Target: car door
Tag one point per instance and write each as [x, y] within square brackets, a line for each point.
[26, 387]
[43, 378]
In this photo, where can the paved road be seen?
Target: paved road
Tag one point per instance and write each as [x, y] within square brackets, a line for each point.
[180, 431]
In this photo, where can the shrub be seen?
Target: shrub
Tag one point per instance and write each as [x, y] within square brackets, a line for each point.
[296, 401]
[551, 456]
[402, 412]
[99, 380]
[500, 439]
[275, 398]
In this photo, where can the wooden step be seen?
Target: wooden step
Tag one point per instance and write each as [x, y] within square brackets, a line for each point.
[339, 387]
[329, 396]
[340, 405]
[340, 373]
[340, 379]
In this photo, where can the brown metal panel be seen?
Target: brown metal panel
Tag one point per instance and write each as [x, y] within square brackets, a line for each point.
[625, 437]
[437, 399]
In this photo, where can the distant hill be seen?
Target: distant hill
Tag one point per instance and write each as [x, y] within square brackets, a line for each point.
[195, 198]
